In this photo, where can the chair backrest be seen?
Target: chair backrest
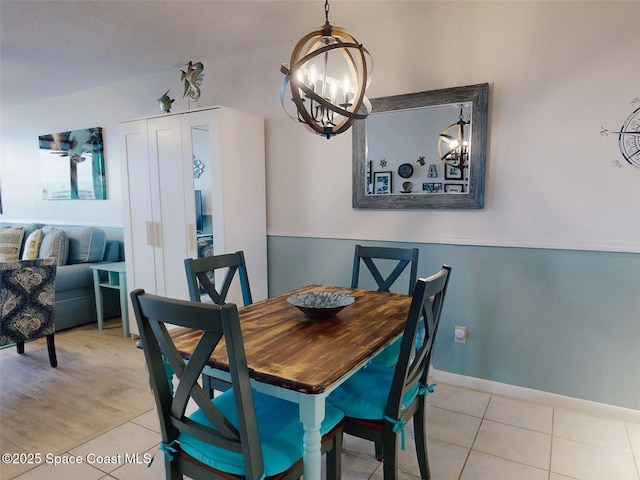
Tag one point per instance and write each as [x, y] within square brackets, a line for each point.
[418, 340]
[27, 294]
[373, 257]
[153, 313]
[201, 273]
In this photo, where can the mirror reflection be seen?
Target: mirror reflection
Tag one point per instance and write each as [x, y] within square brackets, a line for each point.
[202, 186]
[422, 150]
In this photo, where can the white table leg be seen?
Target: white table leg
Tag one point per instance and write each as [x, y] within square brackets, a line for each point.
[312, 411]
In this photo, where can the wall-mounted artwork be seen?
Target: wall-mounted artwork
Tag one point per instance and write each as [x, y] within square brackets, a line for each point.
[73, 165]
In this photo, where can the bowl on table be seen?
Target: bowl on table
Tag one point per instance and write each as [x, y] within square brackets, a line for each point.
[320, 304]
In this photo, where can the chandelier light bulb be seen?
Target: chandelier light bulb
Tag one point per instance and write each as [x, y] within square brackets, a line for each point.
[334, 92]
[346, 87]
[313, 76]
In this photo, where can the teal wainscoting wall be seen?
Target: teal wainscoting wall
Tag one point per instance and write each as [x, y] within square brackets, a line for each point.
[559, 321]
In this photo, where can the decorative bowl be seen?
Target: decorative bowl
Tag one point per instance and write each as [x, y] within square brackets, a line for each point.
[320, 304]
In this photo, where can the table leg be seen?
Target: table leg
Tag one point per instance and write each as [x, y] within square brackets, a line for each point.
[124, 309]
[312, 411]
[96, 286]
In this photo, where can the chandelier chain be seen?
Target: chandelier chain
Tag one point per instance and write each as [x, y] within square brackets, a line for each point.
[326, 11]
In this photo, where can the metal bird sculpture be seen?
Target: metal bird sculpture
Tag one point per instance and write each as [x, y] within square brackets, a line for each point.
[192, 78]
[165, 102]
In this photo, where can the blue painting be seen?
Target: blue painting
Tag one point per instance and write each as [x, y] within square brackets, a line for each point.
[72, 165]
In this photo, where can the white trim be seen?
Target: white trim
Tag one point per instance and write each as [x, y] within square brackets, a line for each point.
[538, 396]
[552, 244]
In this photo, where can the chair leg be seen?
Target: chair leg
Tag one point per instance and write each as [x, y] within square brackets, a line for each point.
[419, 425]
[334, 459]
[389, 453]
[51, 347]
[378, 448]
[206, 385]
[20, 347]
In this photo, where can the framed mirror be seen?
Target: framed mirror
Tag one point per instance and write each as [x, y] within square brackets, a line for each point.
[422, 150]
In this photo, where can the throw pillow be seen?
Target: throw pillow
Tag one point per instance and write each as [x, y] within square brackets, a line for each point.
[86, 244]
[54, 244]
[32, 245]
[10, 243]
[28, 230]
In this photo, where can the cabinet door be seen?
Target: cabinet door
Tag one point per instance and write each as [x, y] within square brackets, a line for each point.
[174, 207]
[138, 201]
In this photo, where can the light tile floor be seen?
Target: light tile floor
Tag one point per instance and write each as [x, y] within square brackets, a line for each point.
[473, 436]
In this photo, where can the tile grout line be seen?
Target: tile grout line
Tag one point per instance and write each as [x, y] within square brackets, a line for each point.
[553, 422]
[633, 453]
[466, 460]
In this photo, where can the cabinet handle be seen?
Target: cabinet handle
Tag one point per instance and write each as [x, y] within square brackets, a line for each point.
[157, 234]
[150, 235]
[192, 236]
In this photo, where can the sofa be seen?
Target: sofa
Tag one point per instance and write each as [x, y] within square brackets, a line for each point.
[76, 248]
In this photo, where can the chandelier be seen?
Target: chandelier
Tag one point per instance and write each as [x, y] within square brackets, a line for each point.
[329, 73]
[453, 143]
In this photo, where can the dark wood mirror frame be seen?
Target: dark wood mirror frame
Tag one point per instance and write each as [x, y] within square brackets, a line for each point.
[478, 95]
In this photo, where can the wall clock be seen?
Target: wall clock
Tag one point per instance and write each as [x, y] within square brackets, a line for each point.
[405, 170]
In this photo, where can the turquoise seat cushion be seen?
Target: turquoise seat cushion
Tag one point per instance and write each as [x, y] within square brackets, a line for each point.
[279, 428]
[365, 394]
[389, 356]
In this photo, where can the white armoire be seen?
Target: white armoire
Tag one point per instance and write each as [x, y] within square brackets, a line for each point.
[227, 148]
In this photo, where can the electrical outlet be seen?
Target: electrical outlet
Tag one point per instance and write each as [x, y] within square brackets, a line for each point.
[460, 334]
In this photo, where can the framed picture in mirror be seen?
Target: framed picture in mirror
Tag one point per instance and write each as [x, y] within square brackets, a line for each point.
[382, 183]
[452, 173]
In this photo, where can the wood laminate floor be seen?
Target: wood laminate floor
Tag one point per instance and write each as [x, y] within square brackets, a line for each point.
[100, 383]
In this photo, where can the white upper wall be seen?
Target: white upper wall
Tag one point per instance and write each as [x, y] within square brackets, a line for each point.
[558, 72]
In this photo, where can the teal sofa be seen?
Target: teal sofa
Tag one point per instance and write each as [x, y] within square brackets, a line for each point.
[76, 248]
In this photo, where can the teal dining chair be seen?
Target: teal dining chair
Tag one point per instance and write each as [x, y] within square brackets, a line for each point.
[385, 265]
[201, 279]
[201, 271]
[374, 259]
[379, 401]
[239, 434]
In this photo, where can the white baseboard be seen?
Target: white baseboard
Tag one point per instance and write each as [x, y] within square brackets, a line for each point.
[538, 396]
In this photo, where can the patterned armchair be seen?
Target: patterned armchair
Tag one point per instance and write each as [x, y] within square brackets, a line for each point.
[27, 291]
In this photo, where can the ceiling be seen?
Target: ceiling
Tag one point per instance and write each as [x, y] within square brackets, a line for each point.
[55, 47]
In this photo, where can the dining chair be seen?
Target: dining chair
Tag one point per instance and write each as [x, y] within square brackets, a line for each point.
[374, 257]
[378, 401]
[391, 261]
[201, 278]
[239, 434]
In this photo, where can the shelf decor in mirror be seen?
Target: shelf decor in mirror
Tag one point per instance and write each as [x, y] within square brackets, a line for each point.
[408, 129]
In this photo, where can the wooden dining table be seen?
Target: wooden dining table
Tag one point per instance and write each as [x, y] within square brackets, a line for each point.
[303, 359]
